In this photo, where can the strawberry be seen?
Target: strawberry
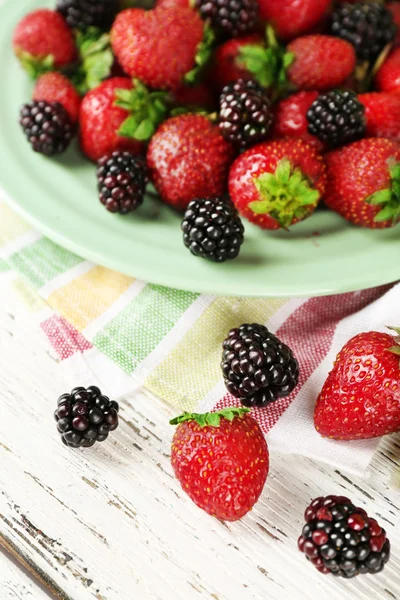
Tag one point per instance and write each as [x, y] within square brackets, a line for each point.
[382, 111]
[228, 65]
[277, 184]
[290, 118]
[55, 87]
[221, 460]
[361, 396]
[321, 62]
[168, 3]
[292, 18]
[364, 182]
[162, 47]
[198, 95]
[387, 79]
[42, 41]
[394, 8]
[189, 158]
[101, 118]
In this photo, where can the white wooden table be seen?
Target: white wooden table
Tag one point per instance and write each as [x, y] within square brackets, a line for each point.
[111, 523]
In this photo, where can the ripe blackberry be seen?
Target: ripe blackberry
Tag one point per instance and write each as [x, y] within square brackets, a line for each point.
[257, 367]
[229, 18]
[337, 118]
[212, 229]
[81, 14]
[245, 113]
[121, 181]
[47, 126]
[341, 539]
[85, 416]
[368, 26]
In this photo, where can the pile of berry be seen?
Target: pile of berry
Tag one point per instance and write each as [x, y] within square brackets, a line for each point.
[192, 97]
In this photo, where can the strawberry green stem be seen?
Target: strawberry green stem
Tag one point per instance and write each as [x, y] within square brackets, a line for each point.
[211, 418]
[34, 66]
[389, 198]
[286, 195]
[203, 55]
[396, 348]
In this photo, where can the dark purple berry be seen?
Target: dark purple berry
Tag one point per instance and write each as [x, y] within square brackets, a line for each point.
[47, 126]
[121, 181]
[81, 14]
[229, 18]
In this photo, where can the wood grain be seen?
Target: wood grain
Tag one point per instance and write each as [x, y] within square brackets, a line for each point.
[112, 523]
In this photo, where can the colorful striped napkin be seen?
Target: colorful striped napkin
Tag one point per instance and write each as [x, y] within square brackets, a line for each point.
[127, 333]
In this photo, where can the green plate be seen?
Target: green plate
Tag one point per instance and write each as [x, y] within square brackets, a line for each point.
[323, 255]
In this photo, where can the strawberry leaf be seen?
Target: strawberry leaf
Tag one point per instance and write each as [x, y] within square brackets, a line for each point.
[96, 58]
[213, 419]
[380, 197]
[385, 214]
[395, 350]
[203, 55]
[35, 67]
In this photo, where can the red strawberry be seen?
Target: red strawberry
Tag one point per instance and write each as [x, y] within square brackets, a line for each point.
[198, 95]
[364, 182]
[290, 118]
[383, 114]
[394, 8]
[387, 78]
[227, 64]
[221, 460]
[168, 3]
[158, 46]
[189, 158]
[55, 87]
[42, 40]
[361, 396]
[100, 119]
[277, 184]
[321, 62]
[292, 18]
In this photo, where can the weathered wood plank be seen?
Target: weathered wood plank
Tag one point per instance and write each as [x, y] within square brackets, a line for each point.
[15, 583]
[113, 524]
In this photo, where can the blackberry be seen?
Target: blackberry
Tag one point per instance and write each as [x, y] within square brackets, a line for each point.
[81, 14]
[212, 229]
[229, 18]
[245, 113]
[337, 118]
[341, 539]
[85, 416]
[368, 26]
[121, 181]
[47, 126]
[257, 367]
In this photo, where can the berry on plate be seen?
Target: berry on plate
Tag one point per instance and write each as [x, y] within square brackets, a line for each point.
[104, 125]
[221, 460]
[212, 229]
[368, 26]
[188, 158]
[195, 96]
[121, 181]
[320, 62]
[245, 113]
[88, 13]
[162, 46]
[257, 367]
[364, 182]
[382, 111]
[290, 118]
[228, 63]
[387, 78]
[47, 126]
[229, 18]
[55, 87]
[85, 416]
[42, 41]
[361, 396]
[337, 118]
[276, 184]
[341, 539]
[291, 18]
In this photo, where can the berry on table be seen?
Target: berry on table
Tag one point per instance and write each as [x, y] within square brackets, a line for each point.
[290, 18]
[229, 18]
[212, 229]
[341, 539]
[382, 111]
[81, 14]
[290, 118]
[257, 367]
[56, 87]
[368, 26]
[85, 416]
[337, 118]
[121, 179]
[47, 126]
[245, 113]
[227, 65]
[387, 78]
[221, 460]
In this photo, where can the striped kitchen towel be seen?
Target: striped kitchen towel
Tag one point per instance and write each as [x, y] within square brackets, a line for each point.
[126, 333]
